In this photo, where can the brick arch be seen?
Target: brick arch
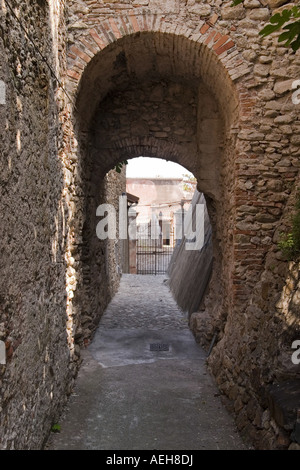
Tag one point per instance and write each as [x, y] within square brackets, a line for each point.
[114, 28]
[130, 147]
[94, 74]
[134, 147]
[212, 60]
[217, 52]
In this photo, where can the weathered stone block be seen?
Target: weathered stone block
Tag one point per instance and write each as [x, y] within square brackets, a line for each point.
[266, 95]
[260, 14]
[294, 446]
[168, 6]
[262, 70]
[284, 401]
[276, 3]
[233, 13]
[251, 135]
[285, 119]
[201, 9]
[282, 87]
[252, 4]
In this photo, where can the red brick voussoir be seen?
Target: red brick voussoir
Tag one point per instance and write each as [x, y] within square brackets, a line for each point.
[113, 29]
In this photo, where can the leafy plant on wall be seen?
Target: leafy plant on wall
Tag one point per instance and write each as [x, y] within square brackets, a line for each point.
[289, 242]
[288, 22]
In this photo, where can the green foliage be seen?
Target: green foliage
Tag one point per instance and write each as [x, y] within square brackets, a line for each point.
[290, 37]
[289, 243]
[119, 166]
[56, 428]
[189, 183]
[291, 33]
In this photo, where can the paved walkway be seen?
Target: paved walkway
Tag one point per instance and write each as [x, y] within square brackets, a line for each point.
[129, 397]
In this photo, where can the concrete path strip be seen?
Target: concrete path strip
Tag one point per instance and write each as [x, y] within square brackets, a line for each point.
[129, 397]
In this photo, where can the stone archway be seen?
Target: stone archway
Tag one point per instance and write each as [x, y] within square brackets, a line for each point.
[107, 78]
[157, 94]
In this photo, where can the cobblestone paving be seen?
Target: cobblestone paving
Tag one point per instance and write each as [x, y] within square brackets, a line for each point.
[130, 308]
[129, 397]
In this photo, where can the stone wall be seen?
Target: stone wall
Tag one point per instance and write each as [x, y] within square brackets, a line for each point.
[271, 324]
[190, 269]
[115, 186]
[36, 378]
[101, 259]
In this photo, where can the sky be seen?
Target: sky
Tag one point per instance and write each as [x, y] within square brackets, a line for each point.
[154, 167]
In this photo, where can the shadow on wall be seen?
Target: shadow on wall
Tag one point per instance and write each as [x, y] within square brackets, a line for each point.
[190, 270]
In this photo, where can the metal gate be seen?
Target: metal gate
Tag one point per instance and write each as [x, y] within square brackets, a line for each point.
[152, 257]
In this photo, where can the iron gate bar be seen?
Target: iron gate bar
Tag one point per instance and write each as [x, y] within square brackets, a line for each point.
[153, 257]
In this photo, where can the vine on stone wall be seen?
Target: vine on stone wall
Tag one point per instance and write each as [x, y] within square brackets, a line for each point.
[290, 36]
[289, 243]
[119, 166]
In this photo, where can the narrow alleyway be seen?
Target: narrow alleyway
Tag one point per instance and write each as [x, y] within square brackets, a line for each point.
[129, 397]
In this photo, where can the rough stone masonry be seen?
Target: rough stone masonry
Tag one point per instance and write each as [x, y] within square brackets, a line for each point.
[89, 83]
